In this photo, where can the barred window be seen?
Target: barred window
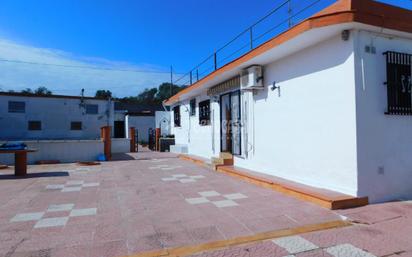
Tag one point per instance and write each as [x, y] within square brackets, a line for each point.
[17, 107]
[34, 125]
[399, 86]
[176, 112]
[92, 109]
[204, 113]
[193, 107]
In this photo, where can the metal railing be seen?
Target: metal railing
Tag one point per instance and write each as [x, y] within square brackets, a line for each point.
[255, 35]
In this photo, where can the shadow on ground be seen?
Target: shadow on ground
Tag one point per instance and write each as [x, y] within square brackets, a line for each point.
[36, 175]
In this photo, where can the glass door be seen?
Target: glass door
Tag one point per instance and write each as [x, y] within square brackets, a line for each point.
[225, 127]
[236, 123]
[230, 123]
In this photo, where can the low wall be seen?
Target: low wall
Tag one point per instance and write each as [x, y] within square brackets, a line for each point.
[62, 150]
[120, 145]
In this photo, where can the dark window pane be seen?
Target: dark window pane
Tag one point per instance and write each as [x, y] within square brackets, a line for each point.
[204, 113]
[76, 125]
[193, 107]
[92, 109]
[34, 125]
[19, 107]
[399, 84]
[176, 112]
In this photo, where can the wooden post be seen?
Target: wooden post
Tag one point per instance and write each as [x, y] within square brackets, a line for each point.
[157, 147]
[20, 162]
[106, 137]
[132, 135]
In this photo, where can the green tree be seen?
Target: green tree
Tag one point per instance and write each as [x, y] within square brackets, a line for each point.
[154, 96]
[147, 96]
[27, 91]
[103, 94]
[166, 90]
[42, 91]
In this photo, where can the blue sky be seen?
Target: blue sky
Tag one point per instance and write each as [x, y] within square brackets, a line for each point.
[117, 34]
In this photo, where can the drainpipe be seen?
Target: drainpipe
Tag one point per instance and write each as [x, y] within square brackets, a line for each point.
[126, 125]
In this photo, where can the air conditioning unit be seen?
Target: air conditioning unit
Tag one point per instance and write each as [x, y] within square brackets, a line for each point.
[251, 78]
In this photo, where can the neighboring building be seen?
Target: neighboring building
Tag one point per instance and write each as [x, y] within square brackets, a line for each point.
[139, 116]
[34, 117]
[332, 110]
[163, 122]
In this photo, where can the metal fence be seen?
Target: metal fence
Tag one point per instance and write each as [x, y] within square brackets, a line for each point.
[287, 14]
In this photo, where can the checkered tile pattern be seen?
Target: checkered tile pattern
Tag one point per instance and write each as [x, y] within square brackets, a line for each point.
[158, 160]
[164, 167]
[183, 178]
[296, 245]
[83, 169]
[72, 186]
[44, 222]
[227, 200]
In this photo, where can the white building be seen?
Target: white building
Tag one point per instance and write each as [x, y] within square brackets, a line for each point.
[26, 117]
[333, 109]
[141, 117]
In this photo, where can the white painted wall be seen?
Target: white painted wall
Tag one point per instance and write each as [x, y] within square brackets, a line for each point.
[163, 121]
[56, 114]
[142, 125]
[326, 127]
[308, 132]
[63, 150]
[199, 139]
[384, 141]
[120, 145]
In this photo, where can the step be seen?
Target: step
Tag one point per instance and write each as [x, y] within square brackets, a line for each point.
[325, 198]
[226, 155]
[195, 159]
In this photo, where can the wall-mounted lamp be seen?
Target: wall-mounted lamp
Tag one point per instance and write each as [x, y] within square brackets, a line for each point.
[274, 87]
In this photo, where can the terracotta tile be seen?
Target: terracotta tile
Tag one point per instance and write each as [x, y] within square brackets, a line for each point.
[109, 249]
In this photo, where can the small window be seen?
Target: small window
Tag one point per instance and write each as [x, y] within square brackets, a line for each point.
[399, 84]
[34, 125]
[18, 107]
[204, 113]
[76, 125]
[193, 107]
[92, 109]
[176, 112]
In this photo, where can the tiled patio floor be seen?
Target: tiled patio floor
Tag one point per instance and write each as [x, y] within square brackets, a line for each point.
[132, 206]
[383, 230]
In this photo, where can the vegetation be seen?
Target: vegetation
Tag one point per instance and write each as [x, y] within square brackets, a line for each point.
[150, 96]
[103, 94]
[38, 91]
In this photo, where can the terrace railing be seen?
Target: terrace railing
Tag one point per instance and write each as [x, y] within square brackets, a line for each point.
[287, 14]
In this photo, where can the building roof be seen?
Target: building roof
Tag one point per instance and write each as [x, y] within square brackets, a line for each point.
[137, 109]
[49, 96]
[366, 12]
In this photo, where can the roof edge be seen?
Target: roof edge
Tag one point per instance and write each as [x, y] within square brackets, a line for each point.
[344, 11]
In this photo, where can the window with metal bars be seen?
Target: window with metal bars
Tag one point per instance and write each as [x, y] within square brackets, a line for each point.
[176, 113]
[193, 107]
[204, 113]
[17, 107]
[399, 85]
[92, 109]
